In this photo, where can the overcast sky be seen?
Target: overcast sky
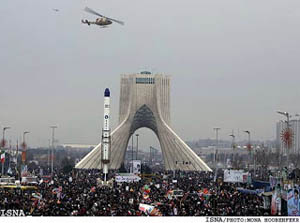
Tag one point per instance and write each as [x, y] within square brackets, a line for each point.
[233, 64]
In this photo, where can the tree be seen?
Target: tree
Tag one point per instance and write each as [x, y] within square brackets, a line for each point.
[237, 161]
[294, 158]
[67, 165]
[146, 169]
[122, 169]
[32, 166]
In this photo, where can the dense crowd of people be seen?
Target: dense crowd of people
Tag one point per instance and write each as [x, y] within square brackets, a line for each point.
[79, 194]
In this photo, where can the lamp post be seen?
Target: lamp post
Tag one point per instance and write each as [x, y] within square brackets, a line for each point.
[49, 148]
[137, 145]
[249, 148]
[24, 133]
[24, 147]
[286, 114]
[3, 139]
[150, 157]
[255, 150]
[233, 144]
[132, 154]
[297, 134]
[216, 149]
[3, 145]
[52, 152]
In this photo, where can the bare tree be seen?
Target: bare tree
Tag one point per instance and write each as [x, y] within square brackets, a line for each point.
[295, 159]
[237, 162]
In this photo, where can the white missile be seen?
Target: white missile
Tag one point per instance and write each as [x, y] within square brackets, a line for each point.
[105, 143]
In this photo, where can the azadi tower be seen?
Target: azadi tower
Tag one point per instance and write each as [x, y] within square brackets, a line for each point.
[145, 102]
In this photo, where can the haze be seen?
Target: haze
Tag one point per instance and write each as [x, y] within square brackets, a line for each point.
[233, 64]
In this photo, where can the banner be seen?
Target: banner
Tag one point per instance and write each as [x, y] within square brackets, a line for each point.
[273, 181]
[137, 166]
[2, 156]
[276, 203]
[146, 208]
[293, 202]
[41, 172]
[23, 156]
[273, 203]
[235, 176]
[127, 178]
[149, 210]
[24, 170]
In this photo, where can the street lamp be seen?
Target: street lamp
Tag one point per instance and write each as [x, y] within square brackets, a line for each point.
[24, 133]
[137, 145]
[216, 147]
[255, 150]
[233, 141]
[3, 145]
[150, 157]
[132, 153]
[233, 146]
[52, 154]
[24, 147]
[3, 140]
[286, 114]
[297, 134]
[249, 148]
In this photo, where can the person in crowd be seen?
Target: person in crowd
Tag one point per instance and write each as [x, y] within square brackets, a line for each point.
[77, 194]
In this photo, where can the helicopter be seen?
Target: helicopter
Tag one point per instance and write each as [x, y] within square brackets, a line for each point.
[103, 21]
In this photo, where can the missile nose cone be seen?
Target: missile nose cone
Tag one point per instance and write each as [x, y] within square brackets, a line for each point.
[106, 93]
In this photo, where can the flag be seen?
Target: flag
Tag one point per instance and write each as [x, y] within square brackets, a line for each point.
[2, 156]
[155, 212]
[55, 191]
[146, 208]
[93, 189]
[37, 196]
[23, 156]
[9, 171]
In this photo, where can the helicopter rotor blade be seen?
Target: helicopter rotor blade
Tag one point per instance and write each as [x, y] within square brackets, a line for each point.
[96, 13]
[93, 12]
[117, 21]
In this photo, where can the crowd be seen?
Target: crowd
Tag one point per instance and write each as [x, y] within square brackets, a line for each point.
[77, 194]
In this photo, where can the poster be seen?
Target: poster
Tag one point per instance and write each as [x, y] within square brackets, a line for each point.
[235, 176]
[273, 181]
[293, 202]
[137, 166]
[127, 178]
[273, 204]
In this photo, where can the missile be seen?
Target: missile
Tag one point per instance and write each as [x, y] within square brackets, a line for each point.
[105, 143]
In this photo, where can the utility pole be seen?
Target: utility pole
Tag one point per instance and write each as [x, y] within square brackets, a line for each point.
[52, 150]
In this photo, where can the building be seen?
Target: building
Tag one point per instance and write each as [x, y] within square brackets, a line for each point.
[145, 102]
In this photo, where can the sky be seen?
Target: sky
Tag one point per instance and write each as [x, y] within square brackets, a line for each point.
[233, 64]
